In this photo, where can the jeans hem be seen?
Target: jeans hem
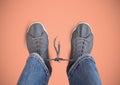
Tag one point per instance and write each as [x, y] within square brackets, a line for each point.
[80, 59]
[41, 61]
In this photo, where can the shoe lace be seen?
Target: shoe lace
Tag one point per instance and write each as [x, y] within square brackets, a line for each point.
[79, 47]
[36, 42]
[57, 50]
[82, 49]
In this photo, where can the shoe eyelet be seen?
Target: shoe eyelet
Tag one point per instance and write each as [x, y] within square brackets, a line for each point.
[80, 54]
[82, 47]
[81, 51]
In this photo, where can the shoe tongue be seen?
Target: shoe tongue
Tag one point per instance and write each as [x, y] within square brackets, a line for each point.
[36, 30]
[83, 30]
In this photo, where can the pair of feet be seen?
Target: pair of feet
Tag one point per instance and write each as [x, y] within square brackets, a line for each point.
[81, 42]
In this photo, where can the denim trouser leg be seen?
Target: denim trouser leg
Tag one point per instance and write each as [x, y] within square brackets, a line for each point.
[84, 72]
[35, 72]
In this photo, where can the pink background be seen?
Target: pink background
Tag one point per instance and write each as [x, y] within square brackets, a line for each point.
[59, 18]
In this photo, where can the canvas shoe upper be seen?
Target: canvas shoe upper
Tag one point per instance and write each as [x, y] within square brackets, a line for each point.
[37, 41]
[81, 42]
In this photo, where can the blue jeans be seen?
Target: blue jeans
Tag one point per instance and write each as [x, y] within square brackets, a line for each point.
[35, 72]
[82, 72]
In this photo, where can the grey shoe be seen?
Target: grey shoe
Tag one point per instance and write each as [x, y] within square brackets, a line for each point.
[37, 41]
[81, 42]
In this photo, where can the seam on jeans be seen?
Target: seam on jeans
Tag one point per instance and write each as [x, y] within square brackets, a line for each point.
[35, 55]
[80, 59]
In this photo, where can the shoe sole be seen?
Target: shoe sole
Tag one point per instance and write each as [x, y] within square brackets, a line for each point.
[38, 23]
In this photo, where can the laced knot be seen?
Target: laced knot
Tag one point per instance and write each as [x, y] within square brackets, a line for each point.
[57, 50]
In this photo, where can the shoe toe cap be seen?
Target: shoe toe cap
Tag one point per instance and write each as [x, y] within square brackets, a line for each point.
[83, 30]
[36, 29]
